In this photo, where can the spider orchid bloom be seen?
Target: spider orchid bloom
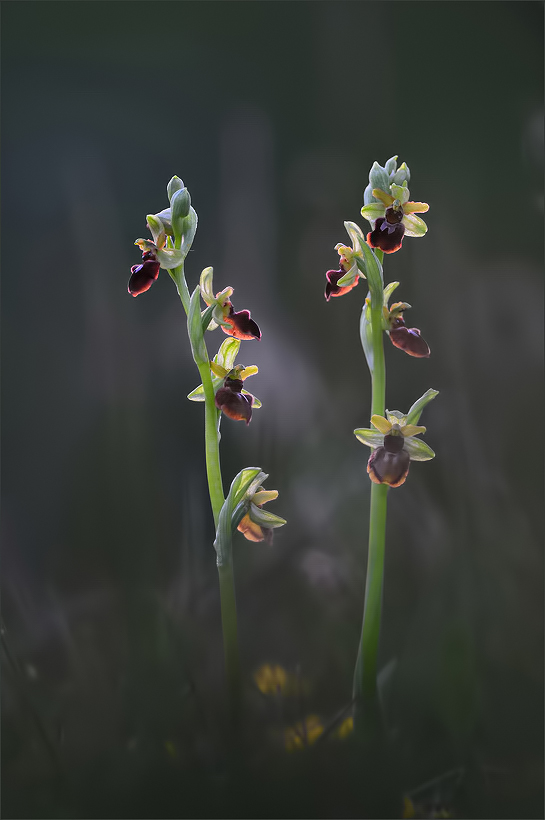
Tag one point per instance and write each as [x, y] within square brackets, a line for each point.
[394, 447]
[227, 380]
[349, 271]
[392, 217]
[258, 524]
[156, 254]
[144, 275]
[238, 324]
[230, 399]
[405, 338]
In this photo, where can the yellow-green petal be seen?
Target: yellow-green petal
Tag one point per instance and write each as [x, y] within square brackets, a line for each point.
[251, 370]
[415, 207]
[264, 496]
[381, 424]
[387, 199]
[218, 370]
[412, 430]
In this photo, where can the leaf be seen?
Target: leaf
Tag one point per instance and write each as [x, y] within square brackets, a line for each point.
[366, 335]
[194, 328]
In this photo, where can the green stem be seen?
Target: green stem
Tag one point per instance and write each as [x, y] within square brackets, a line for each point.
[178, 276]
[367, 712]
[230, 641]
[211, 437]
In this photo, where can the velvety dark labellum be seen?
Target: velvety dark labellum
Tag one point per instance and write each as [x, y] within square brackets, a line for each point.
[409, 340]
[387, 467]
[144, 275]
[388, 232]
[242, 325]
[237, 406]
[332, 288]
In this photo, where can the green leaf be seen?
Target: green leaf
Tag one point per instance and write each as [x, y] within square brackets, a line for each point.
[372, 438]
[355, 234]
[206, 318]
[373, 273]
[413, 416]
[366, 336]
[418, 449]
[194, 328]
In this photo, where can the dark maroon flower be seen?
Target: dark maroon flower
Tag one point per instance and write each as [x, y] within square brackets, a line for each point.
[332, 288]
[389, 464]
[144, 275]
[242, 326]
[233, 402]
[408, 339]
[388, 231]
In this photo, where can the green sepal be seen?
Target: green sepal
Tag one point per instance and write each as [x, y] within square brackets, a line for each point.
[157, 230]
[388, 290]
[366, 335]
[174, 185]
[379, 178]
[373, 211]
[413, 416]
[350, 277]
[373, 273]
[227, 353]
[265, 519]
[194, 328]
[355, 233]
[418, 450]
[256, 404]
[170, 258]
[372, 438]
[166, 218]
[400, 192]
[233, 506]
[206, 283]
[414, 226]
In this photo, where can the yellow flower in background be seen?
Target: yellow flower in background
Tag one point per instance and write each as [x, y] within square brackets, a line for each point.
[303, 734]
[271, 680]
[346, 727]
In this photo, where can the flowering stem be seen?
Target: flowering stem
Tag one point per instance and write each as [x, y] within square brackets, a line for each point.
[217, 499]
[367, 711]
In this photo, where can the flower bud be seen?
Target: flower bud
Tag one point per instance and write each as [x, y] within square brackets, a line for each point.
[180, 204]
[174, 185]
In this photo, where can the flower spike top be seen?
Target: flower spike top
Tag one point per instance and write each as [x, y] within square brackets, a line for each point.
[388, 209]
[394, 444]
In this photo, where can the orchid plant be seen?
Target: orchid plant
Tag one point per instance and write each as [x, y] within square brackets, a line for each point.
[173, 231]
[393, 436]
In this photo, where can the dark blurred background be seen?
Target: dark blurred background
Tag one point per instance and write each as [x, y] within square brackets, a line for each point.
[272, 113]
